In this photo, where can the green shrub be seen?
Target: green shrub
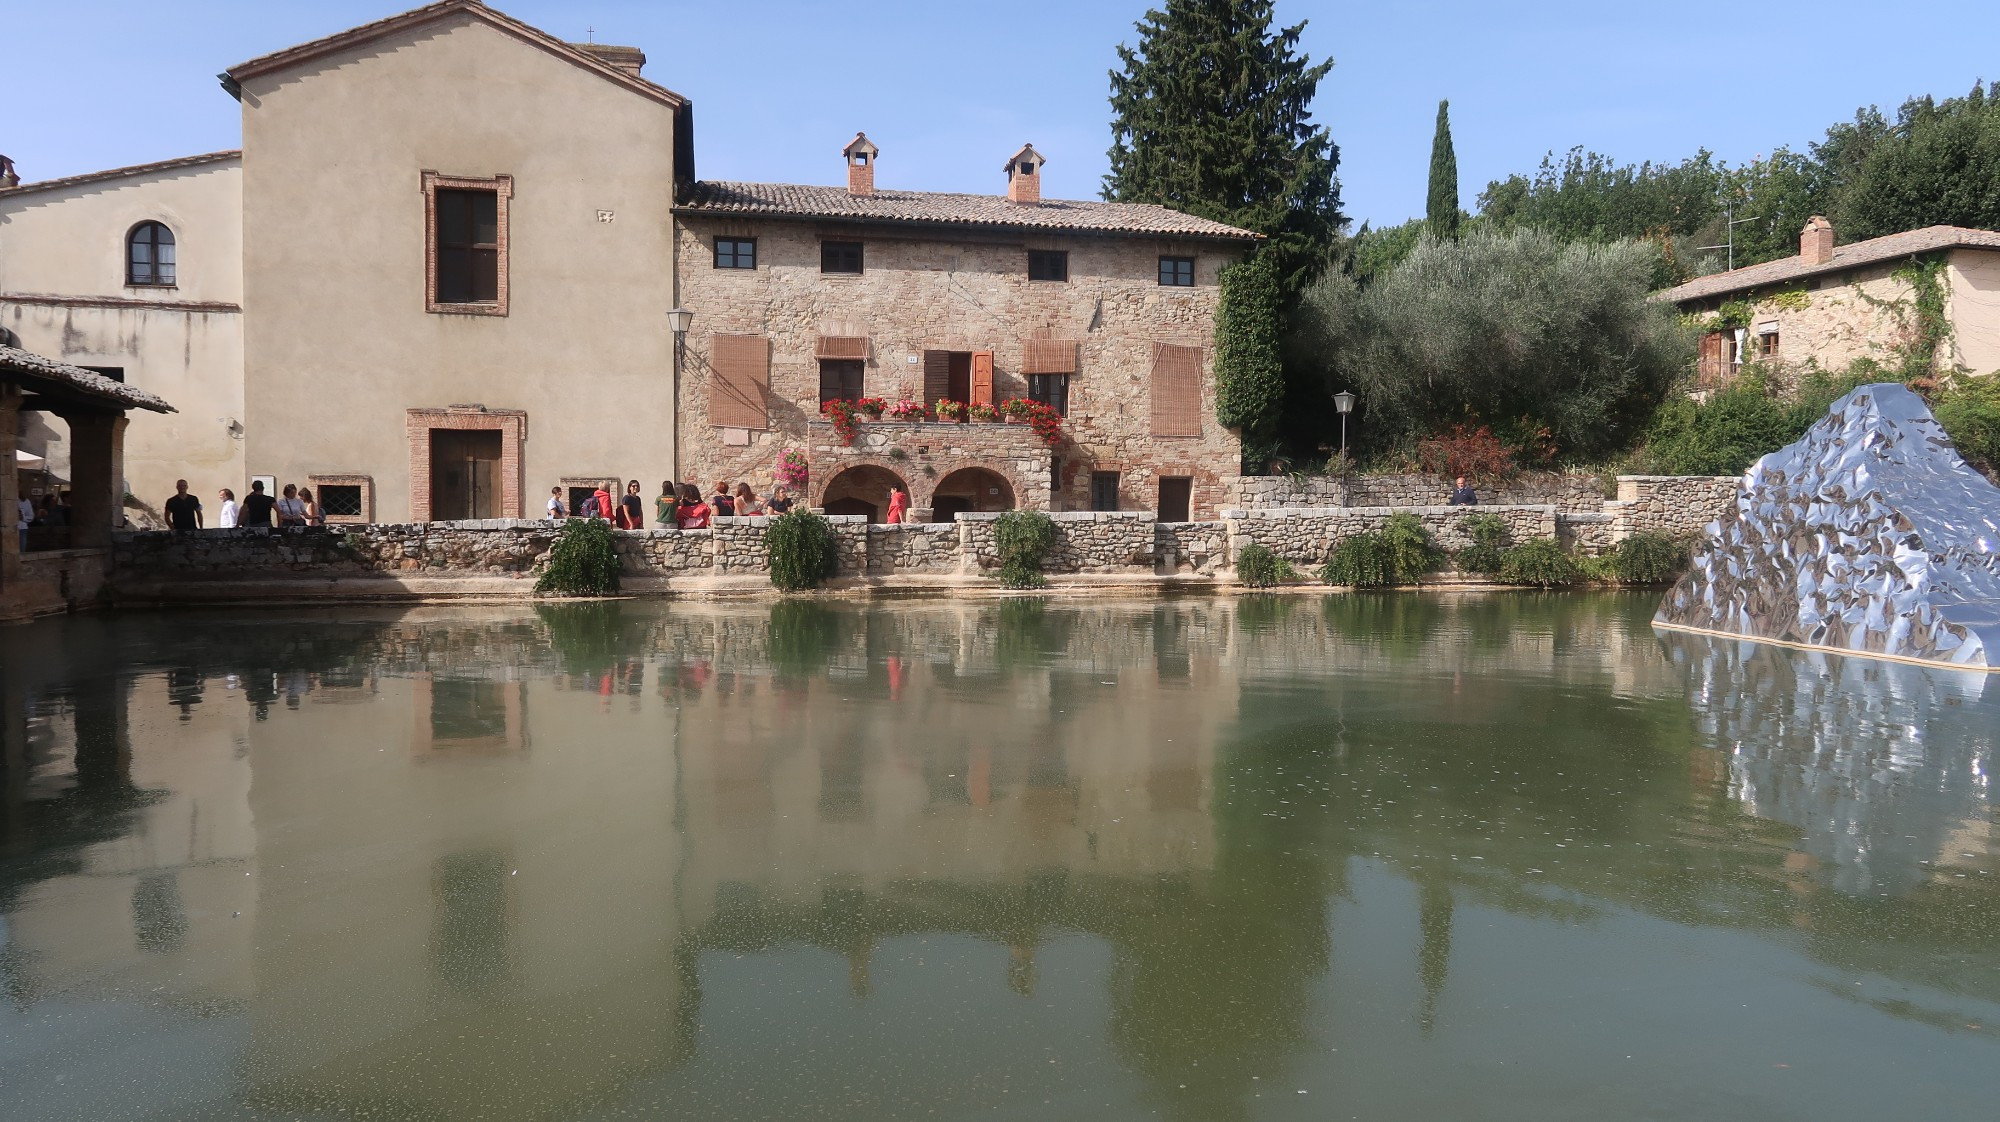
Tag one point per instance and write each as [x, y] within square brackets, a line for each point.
[1412, 553]
[582, 560]
[802, 550]
[1258, 567]
[1539, 561]
[1489, 536]
[1361, 560]
[1649, 558]
[1969, 410]
[1023, 539]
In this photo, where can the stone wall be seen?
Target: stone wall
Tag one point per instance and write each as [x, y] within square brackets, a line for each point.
[1308, 535]
[916, 547]
[964, 291]
[1670, 504]
[1562, 490]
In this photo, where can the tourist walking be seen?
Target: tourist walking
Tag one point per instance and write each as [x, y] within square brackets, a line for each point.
[225, 515]
[631, 508]
[183, 510]
[291, 511]
[725, 506]
[257, 506]
[781, 501]
[693, 514]
[1464, 495]
[556, 512]
[747, 505]
[899, 504]
[314, 515]
[667, 506]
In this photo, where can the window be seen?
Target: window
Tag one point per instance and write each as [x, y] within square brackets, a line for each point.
[1177, 271]
[839, 379]
[1104, 490]
[1048, 264]
[840, 257]
[467, 244]
[1767, 341]
[736, 253]
[340, 499]
[149, 255]
[344, 498]
[1051, 390]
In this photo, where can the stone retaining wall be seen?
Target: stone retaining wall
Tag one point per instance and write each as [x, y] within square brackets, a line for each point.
[1563, 490]
[1308, 535]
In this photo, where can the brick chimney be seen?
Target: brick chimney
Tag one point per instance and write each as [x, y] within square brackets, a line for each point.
[861, 153]
[1024, 176]
[8, 176]
[1816, 241]
[629, 59]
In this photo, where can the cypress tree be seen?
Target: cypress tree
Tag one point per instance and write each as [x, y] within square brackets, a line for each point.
[1211, 115]
[1249, 363]
[1441, 213]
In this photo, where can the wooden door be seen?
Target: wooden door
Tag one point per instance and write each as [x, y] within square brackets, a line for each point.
[1175, 493]
[982, 377]
[465, 474]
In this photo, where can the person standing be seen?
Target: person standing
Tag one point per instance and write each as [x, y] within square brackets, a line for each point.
[602, 505]
[747, 505]
[693, 514]
[183, 510]
[225, 515]
[899, 504]
[1464, 495]
[291, 512]
[631, 508]
[314, 515]
[666, 508]
[257, 506]
[723, 505]
[556, 511]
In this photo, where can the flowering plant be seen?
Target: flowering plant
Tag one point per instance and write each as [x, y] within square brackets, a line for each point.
[907, 410]
[949, 410]
[870, 407]
[842, 413]
[791, 470]
[982, 412]
[1041, 417]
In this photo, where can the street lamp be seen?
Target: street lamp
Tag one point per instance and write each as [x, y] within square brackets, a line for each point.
[1344, 403]
[678, 321]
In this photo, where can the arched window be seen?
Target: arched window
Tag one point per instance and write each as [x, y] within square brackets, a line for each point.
[149, 255]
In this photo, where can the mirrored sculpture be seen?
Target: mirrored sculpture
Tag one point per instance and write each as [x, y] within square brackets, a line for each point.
[1869, 535]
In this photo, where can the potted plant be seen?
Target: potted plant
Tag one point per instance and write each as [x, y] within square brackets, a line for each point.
[950, 411]
[842, 414]
[871, 407]
[1015, 409]
[907, 410]
[982, 412]
[1043, 418]
[791, 470]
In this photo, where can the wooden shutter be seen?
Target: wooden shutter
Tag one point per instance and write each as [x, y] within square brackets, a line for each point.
[982, 378]
[739, 381]
[1176, 390]
[937, 376]
[842, 346]
[1048, 356]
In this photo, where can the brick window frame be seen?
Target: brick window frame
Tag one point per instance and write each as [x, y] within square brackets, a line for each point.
[512, 425]
[502, 187]
[365, 482]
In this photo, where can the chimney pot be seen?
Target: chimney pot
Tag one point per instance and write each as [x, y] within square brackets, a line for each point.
[629, 59]
[1816, 241]
[1024, 176]
[861, 154]
[8, 176]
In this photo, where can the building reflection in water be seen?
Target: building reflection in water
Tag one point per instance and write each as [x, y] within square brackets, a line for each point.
[504, 864]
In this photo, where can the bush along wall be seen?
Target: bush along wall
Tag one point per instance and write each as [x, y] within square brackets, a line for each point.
[1400, 552]
[802, 550]
[1258, 567]
[582, 560]
[1023, 539]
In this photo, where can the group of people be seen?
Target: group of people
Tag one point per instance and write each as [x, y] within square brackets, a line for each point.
[295, 508]
[678, 505]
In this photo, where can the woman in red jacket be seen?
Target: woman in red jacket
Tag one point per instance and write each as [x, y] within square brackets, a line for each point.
[693, 513]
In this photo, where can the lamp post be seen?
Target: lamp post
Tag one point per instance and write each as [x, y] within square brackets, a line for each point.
[679, 319]
[1344, 403]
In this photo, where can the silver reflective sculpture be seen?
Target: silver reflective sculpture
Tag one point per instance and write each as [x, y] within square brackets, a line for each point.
[1870, 535]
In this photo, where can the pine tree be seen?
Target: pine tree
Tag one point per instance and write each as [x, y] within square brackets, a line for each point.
[1212, 116]
[1441, 213]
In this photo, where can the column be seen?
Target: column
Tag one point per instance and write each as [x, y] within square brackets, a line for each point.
[97, 494]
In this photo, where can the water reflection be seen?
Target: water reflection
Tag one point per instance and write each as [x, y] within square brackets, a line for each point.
[1190, 858]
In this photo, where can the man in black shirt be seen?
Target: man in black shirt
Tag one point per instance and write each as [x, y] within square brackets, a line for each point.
[1463, 496]
[257, 506]
[183, 510]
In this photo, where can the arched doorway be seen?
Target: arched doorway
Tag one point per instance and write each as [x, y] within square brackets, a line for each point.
[862, 489]
[970, 489]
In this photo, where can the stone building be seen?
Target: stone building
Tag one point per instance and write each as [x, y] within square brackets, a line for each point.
[1104, 311]
[1833, 304]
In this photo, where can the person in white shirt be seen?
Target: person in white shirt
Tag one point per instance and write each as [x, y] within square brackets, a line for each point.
[26, 509]
[226, 517]
[555, 502]
[291, 509]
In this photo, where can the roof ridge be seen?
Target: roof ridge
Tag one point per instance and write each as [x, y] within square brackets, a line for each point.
[952, 208]
[1871, 251]
[881, 192]
[172, 164]
[415, 17]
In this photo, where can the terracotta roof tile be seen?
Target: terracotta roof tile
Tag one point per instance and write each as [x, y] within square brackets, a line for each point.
[33, 368]
[1871, 252]
[153, 168]
[791, 200]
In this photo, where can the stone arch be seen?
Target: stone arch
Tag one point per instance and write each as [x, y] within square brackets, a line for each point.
[859, 484]
[969, 489]
[945, 470]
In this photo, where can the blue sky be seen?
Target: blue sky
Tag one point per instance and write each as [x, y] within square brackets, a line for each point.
[949, 89]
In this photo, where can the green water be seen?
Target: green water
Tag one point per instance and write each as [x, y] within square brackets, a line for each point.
[1404, 856]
